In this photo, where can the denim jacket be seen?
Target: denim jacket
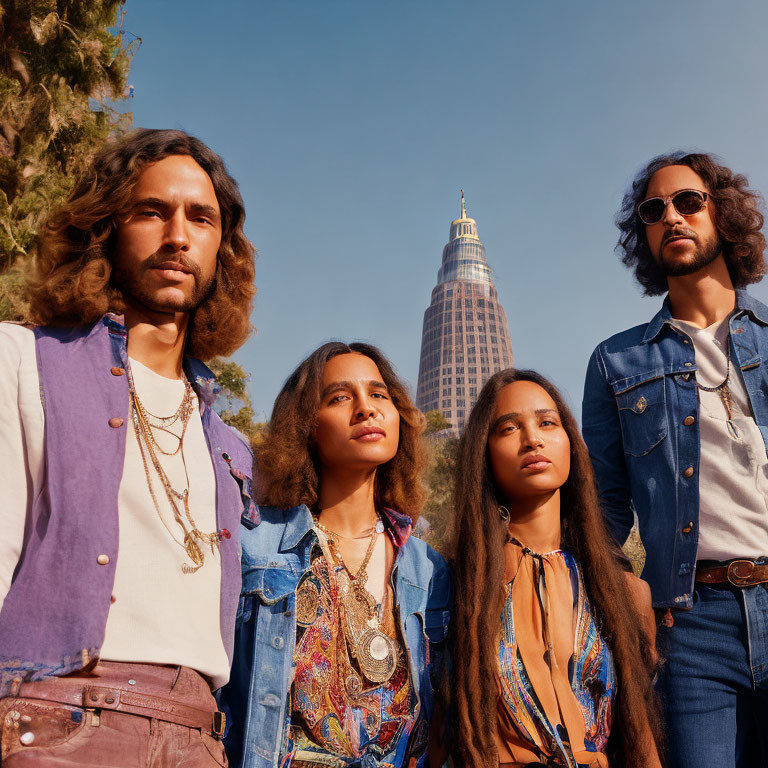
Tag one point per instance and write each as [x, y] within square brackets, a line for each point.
[640, 420]
[275, 557]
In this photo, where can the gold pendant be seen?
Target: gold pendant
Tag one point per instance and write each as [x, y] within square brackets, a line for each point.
[359, 608]
[353, 685]
[307, 603]
[377, 655]
[193, 550]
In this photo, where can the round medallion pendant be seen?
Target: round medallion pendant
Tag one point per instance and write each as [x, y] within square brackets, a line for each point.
[353, 685]
[377, 656]
[307, 603]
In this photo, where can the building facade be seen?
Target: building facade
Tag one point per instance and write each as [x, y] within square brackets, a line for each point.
[465, 338]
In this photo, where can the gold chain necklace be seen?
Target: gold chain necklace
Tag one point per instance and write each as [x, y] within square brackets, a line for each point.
[147, 444]
[376, 653]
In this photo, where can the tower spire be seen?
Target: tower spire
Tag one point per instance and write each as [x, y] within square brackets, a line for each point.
[463, 209]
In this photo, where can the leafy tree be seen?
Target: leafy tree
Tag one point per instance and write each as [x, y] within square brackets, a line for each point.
[63, 65]
[234, 403]
[436, 422]
[437, 516]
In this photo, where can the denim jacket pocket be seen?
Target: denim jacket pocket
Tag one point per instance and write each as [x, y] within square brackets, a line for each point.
[436, 625]
[642, 414]
[271, 580]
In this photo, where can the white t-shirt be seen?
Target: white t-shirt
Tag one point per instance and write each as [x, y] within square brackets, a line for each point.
[733, 467]
[163, 611]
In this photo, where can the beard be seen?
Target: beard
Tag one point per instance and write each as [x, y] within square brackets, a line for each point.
[134, 287]
[704, 254]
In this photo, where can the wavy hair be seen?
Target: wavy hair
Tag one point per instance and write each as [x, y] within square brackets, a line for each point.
[72, 282]
[477, 551]
[287, 469]
[737, 218]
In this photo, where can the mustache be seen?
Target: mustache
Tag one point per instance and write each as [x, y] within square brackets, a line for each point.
[678, 232]
[156, 259]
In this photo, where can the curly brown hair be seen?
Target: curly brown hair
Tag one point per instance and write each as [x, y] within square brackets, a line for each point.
[738, 221]
[287, 469]
[72, 282]
[477, 552]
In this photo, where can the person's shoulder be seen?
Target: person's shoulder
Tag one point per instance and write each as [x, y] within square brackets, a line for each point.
[623, 340]
[18, 333]
[17, 342]
[427, 562]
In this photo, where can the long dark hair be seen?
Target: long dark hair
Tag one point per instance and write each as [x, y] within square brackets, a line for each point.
[477, 550]
[738, 221]
[287, 468]
[72, 282]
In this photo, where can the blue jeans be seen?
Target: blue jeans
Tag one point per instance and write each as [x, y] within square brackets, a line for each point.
[714, 682]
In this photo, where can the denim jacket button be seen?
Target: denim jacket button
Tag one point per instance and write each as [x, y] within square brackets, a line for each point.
[270, 700]
[688, 421]
[688, 472]
[688, 528]
[278, 642]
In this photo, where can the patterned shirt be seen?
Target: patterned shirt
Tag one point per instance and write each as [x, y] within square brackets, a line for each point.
[556, 674]
[338, 716]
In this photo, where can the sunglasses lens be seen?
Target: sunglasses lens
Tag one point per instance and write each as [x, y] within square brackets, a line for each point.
[650, 211]
[688, 202]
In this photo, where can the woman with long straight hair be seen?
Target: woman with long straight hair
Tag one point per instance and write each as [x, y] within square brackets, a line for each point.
[343, 613]
[548, 661]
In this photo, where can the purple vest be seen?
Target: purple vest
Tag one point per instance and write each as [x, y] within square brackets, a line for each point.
[54, 616]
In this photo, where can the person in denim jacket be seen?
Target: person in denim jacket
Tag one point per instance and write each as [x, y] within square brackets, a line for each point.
[343, 612]
[676, 420]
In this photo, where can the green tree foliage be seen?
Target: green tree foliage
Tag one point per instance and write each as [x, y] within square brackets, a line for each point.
[238, 409]
[436, 422]
[438, 511]
[62, 66]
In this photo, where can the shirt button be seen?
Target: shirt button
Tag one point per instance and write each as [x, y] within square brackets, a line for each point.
[688, 472]
[103, 559]
[117, 371]
[688, 528]
[688, 421]
[115, 422]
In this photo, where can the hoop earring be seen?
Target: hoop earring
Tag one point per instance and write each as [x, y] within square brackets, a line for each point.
[504, 513]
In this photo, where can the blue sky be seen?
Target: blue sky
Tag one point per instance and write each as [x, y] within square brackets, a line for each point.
[351, 126]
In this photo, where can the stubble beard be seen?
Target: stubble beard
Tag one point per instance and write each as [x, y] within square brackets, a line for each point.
[703, 256]
[134, 289]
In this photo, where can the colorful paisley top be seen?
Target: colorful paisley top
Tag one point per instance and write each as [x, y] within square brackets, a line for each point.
[338, 716]
[556, 677]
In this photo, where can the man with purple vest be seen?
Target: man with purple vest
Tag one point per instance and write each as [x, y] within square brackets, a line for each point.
[122, 490]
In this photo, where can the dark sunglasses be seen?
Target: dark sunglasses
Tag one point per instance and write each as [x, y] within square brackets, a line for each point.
[686, 202]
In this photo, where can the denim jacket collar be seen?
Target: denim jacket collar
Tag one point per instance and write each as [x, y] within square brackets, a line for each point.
[200, 376]
[299, 522]
[744, 303]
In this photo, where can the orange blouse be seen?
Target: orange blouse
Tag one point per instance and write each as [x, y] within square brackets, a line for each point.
[556, 677]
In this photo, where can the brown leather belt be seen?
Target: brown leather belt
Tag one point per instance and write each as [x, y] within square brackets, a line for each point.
[740, 573]
[74, 693]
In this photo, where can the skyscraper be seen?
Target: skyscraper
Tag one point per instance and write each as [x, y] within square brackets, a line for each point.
[465, 338]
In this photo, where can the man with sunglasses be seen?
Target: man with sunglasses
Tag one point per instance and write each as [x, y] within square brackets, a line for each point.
[675, 415]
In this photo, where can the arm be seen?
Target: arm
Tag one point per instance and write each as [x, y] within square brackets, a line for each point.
[602, 434]
[15, 489]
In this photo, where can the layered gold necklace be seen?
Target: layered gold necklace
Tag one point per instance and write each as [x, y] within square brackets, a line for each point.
[143, 423]
[361, 617]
